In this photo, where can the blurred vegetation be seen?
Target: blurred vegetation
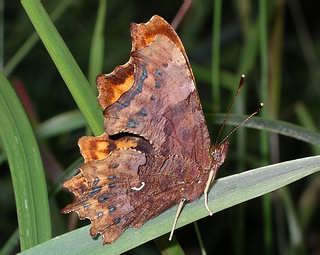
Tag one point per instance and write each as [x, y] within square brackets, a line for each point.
[275, 43]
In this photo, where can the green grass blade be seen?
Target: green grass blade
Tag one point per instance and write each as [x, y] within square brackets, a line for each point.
[264, 138]
[67, 174]
[1, 32]
[10, 244]
[57, 125]
[97, 44]
[67, 66]
[32, 40]
[26, 168]
[60, 124]
[167, 247]
[202, 247]
[3, 158]
[305, 119]
[13, 241]
[294, 230]
[226, 192]
[216, 55]
[275, 126]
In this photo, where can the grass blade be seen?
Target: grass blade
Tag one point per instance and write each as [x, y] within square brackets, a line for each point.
[1, 32]
[198, 233]
[264, 137]
[25, 48]
[67, 174]
[60, 124]
[216, 55]
[167, 247]
[10, 244]
[26, 169]
[67, 66]
[276, 126]
[97, 44]
[305, 119]
[225, 193]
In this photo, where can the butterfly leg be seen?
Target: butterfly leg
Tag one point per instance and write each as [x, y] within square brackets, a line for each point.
[183, 200]
[209, 181]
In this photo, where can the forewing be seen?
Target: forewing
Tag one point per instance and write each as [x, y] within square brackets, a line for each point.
[162, 100]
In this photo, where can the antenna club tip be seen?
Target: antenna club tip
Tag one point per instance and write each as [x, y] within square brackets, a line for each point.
[261, 104]
[241, 82]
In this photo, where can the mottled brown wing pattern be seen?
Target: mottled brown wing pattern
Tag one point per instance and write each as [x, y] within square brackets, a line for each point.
[163, 187]
[102, 190]
[156, 149]
[163, 86]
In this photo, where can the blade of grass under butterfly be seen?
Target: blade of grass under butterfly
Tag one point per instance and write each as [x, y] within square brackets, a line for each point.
[66, 64]
[26, 169]
[226, 192]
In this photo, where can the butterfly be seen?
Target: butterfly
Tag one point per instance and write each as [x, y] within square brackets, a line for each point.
[156, 150]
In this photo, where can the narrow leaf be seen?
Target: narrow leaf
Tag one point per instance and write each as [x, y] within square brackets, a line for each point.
[66, 64]
[97, 44]
[275, 126]
[26, 169]
[226, 192]
[60, 124]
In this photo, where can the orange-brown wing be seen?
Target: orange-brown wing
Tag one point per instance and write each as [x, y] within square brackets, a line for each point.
[102, 191]
[94, 148]
[124, 190]
[162, 104]
[113, 85]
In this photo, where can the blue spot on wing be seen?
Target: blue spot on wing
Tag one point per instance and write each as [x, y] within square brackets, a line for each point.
[132, 123]
[143, 112]
[133, 92]
[103, 198]
[111, 185]
[158, 85]
[144, 73]
[158, 72]
[95, 190]
[111, 208]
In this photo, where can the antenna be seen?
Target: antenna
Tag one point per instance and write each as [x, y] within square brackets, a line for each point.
[241, 83]
[241, 124]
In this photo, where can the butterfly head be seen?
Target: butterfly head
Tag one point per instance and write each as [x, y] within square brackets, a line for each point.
[218, 152]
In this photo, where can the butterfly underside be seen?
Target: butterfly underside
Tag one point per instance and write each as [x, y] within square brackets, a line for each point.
[156, 151]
